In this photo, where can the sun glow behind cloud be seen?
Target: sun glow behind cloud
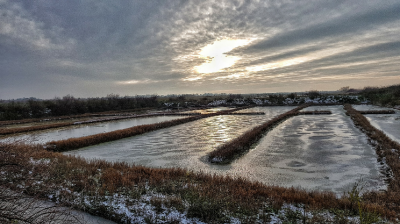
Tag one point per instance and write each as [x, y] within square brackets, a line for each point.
[218, 60]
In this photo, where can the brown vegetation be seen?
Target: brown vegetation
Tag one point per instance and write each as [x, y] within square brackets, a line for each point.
[205, 196]
[232, 149]
[388, 152]
[25, 121]
[376, 111]
[250, 113]
[58, 118]
[75, 143]
[315, 112]
[7, 131]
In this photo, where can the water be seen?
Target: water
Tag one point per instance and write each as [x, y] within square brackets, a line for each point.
[324, 152]
[86, 129]
[55, 121]
[388, 123]
[209, 110]
[179, 145]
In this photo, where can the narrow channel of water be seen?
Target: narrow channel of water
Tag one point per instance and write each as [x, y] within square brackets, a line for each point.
[324, 152]
[85, 129]
[388, 123]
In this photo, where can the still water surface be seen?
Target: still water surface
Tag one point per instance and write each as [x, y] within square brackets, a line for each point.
[87, 129]
[324, 152]
[178, 145]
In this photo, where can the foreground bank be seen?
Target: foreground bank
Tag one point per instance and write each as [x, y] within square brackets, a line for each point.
[129, 194]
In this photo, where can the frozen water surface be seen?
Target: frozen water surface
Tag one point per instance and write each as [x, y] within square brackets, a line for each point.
[324, 152]
[388, 123]
[86, 129]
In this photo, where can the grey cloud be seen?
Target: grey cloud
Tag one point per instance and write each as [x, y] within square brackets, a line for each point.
[95, 43]
[374, 52]
[330, 29]
[281, 56]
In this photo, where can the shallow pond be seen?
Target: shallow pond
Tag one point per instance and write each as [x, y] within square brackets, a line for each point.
[179, 144]
[388, 123]
[55, 121]
[324, 152]
[86, 129]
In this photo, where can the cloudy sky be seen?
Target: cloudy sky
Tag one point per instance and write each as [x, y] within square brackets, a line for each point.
[90, 48]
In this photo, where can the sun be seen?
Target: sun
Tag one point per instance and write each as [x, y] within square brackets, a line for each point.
[218, 60]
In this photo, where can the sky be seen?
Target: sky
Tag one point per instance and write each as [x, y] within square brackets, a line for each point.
[91, 48]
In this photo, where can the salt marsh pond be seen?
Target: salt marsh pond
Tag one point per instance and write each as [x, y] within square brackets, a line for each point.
[85, 129]
[388, 123]
[324, 152]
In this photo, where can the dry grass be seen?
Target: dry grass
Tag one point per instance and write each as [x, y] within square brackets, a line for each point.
[250, 113]
[376, 111]
[26, 121]
[67, 117]
[7, 131]
[206, 195]
[315, 112]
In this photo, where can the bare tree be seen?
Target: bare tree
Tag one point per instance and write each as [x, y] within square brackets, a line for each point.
[344, 89]
[312, 94]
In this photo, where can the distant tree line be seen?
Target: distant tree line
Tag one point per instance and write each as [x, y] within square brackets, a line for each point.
[385, 96]
[69, 105]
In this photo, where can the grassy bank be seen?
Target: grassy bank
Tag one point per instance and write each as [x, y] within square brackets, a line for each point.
[123, 192]
[7, 131]
[76, 143]
[315, 112]
[234, 148]
[249, 113]
[376, 111]
[68, 117]
[388, 152]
